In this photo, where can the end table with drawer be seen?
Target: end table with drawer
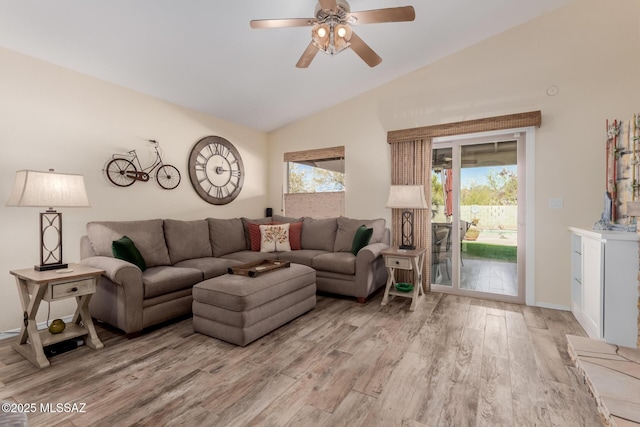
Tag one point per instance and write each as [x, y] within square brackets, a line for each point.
[77, 281]
[404, 259]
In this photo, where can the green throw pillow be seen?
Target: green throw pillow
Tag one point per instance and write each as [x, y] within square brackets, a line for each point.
[361, 239]
[124, 249]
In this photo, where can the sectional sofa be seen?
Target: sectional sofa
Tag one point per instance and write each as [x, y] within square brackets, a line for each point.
[179, 254]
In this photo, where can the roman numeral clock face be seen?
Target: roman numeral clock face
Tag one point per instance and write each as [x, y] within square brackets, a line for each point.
[216, 170]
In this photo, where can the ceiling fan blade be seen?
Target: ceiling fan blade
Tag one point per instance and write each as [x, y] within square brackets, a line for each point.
[283, 23]
[307, 56]
[392, 14]
[364, 51]
[328, 4]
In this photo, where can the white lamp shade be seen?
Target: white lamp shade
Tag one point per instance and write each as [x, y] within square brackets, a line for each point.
[48, 189]
[407, 197]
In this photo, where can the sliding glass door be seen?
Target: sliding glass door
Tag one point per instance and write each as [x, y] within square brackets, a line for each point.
[477, 233]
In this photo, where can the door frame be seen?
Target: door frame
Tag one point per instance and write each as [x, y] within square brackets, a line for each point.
[526, 220]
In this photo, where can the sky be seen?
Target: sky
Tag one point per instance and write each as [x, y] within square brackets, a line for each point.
[479, 174]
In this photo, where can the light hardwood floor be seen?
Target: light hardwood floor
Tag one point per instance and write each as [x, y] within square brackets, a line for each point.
[455, 361]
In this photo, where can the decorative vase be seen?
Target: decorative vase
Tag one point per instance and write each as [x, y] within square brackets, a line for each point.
[472, 233]
[57, 326]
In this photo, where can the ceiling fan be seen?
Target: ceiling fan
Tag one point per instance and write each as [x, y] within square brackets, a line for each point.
[442, 160]
[331, 28]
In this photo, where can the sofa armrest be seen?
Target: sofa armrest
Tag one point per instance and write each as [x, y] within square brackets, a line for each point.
[118, 271]
[371, 273]
[372, 251]
[119, 295]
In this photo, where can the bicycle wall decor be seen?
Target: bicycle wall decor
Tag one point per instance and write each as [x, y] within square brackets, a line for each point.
[123, 172]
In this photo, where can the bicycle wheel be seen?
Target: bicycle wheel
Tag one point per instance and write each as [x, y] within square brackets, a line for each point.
[117, 172]
[168, 177]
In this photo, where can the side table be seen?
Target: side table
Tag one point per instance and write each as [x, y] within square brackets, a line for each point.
[77, 281]
[404, 259]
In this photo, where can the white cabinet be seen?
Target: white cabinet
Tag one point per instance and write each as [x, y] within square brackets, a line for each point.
[604, 284]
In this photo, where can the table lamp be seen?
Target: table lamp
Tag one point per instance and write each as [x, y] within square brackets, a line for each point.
[49, 189]
[407, 197]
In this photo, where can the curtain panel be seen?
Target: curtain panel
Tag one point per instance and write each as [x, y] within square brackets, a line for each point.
[411, 165]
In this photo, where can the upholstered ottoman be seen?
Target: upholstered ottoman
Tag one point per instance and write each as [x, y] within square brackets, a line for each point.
[240, 309]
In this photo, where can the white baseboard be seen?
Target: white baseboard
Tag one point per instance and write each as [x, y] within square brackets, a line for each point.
[42, 325]
[553, 306]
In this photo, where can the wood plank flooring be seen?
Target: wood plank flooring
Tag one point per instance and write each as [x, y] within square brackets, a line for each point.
[455, 361]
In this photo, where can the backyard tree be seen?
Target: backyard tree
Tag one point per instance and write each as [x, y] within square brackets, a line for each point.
[476, 194]
[327, 180]
[500, 188]
[504, 187]
[296, 179]
[307, 179]
[437, 192]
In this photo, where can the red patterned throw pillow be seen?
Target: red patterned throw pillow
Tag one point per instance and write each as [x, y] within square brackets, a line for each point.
[254, 235]
[295, 235]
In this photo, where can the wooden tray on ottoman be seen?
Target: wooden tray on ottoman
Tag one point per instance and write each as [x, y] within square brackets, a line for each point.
[254, 269]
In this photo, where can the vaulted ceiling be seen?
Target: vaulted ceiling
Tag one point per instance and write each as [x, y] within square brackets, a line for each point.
[202, 54]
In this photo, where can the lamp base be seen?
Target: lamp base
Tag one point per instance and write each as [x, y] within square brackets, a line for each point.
[47, 267]
[407, 247]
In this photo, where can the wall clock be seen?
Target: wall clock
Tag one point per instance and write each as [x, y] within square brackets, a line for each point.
[216, 170]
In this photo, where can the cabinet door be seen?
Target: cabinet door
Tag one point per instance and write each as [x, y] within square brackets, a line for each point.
[592, 279]
[621, 292]
[576, 275]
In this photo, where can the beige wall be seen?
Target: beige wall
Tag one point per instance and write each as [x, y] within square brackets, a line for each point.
[589, 49]
[51, 117]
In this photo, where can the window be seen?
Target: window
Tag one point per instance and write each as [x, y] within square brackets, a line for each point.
[315, 183]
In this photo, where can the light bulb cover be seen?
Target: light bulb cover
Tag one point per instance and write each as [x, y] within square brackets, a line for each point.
[320, 36]
[342, 35]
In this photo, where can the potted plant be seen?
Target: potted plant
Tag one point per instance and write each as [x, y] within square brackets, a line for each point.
[473, 232]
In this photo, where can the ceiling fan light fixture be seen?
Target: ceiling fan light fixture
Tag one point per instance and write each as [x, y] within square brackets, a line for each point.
[321, 36]
[331, 28]
[342, 34]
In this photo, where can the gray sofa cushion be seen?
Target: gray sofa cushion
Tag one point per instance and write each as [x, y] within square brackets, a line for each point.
[286, 219]
[304, 256]
[187, 239]
[319, 234]
[147, 235]
[379, 226]
[227, 236]
[250, 256]
[337, 262]
[163, 280]
[347, 230]
[210, 267]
